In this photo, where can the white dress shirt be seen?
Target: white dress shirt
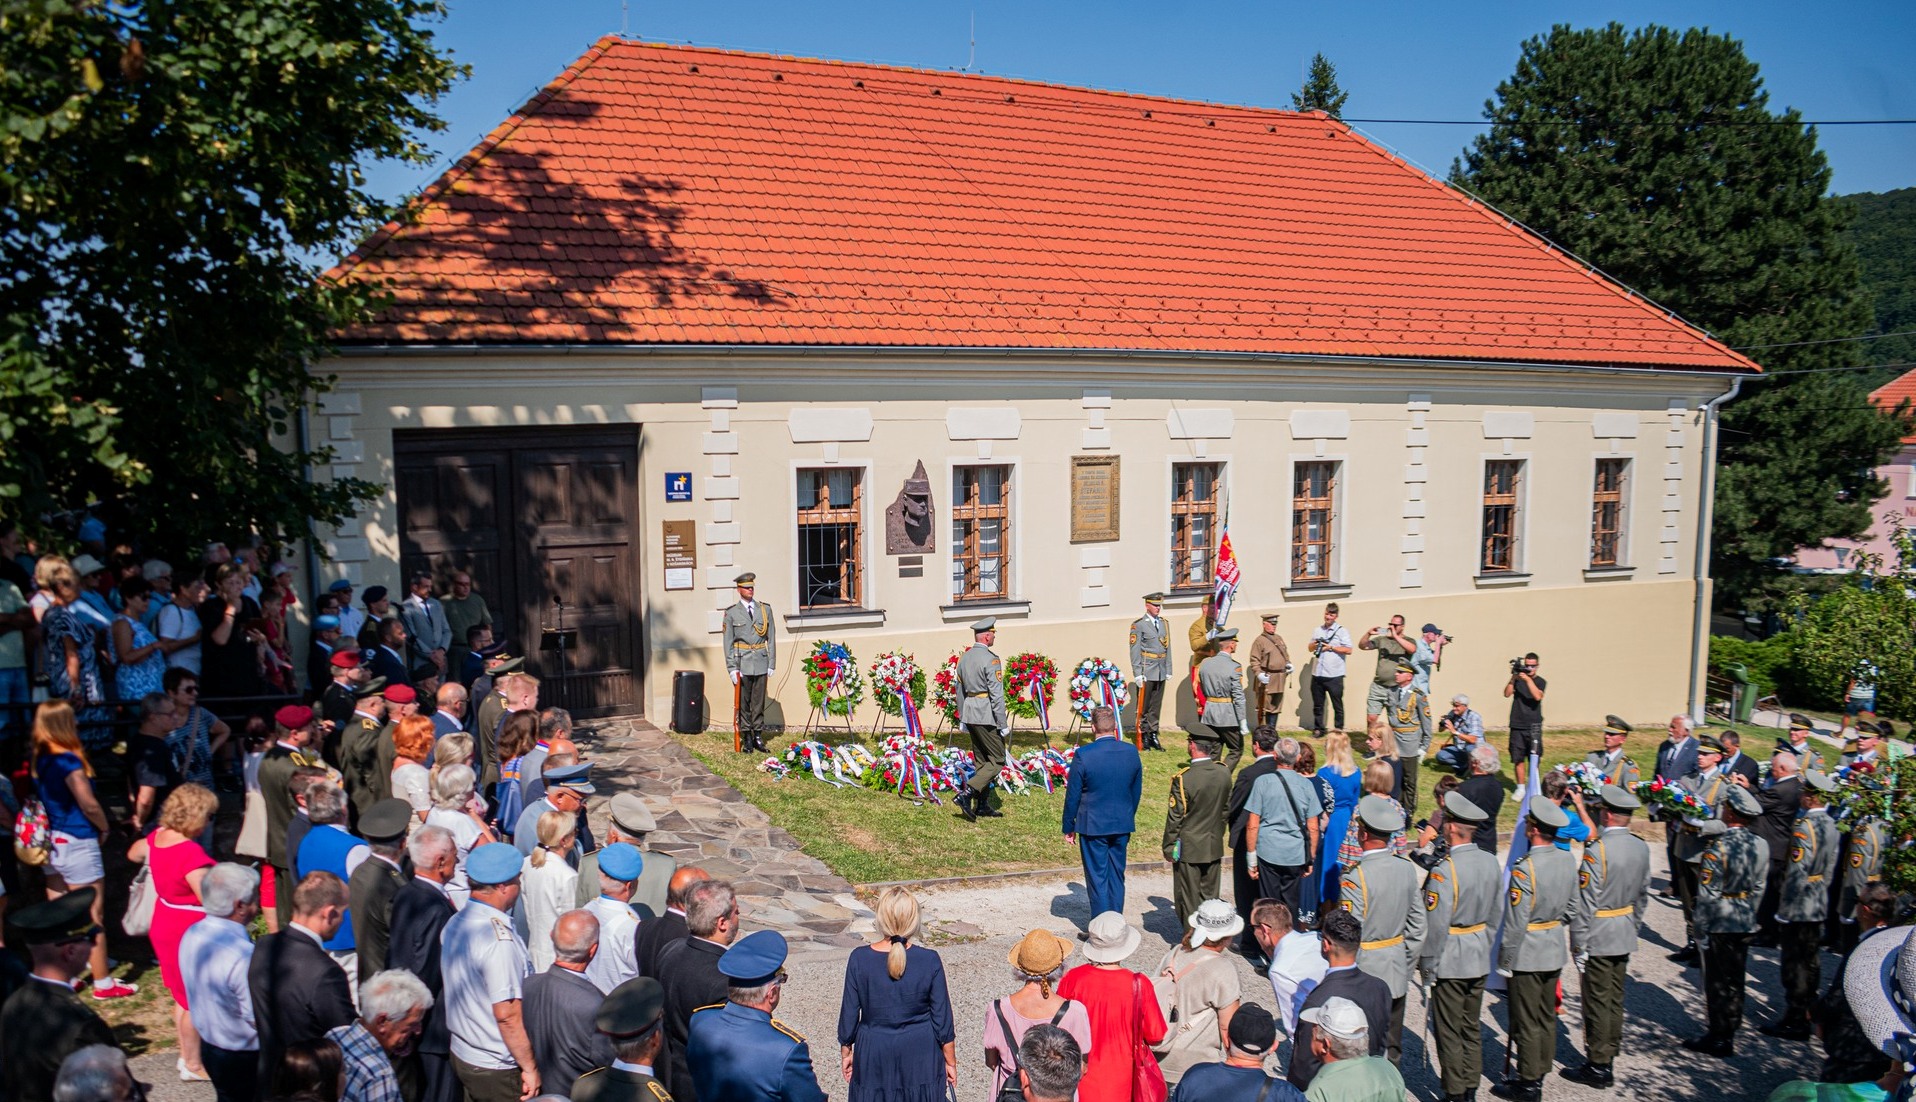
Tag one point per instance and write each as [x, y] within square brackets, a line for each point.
[618, 926]
[484, 964]
[1296, 960]
[215, 954]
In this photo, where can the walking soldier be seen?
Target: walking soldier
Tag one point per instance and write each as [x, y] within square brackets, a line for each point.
[1380, 891]
[1613, 888]
[1803, 905]
[1541, 899]
[751, 654]
[981, 678]
[1151, 666]
[1729, 885]
[1462, 898]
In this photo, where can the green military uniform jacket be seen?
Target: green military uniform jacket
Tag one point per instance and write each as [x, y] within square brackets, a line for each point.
[1711, 790]
[1618, 770]
[1729, 883]
[385, 754]
[1805, 894]
[1150, 649]
[1408, 712]
[1462, 899]
[981, 680]
[1541, 899]
[1613, 888]
[1864, 865]
[1194, 823]
[1221, 680]
[359, 763]
[618, 1085]
[751, 639]
[1380, 891]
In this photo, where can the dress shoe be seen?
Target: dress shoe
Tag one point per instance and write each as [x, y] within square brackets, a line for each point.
[1519, 1090]
[966, 807]
[1687, 956]
[986, 811]
[1590, 1075]
[1710, 1046]
[1787, 1029]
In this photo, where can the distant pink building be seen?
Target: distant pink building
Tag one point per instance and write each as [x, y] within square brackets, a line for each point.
[1839, 556]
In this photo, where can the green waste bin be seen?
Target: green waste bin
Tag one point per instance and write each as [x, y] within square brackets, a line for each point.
[1742, 693]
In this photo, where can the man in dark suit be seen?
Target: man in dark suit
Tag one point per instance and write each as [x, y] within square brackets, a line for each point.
[1676, 759]
[669, 928]
[1780, 800]
[388, 659]
[296, 731]
[1339, 938]
[299, 990]
[1735, 760]
[44, 1022]
[376, 881]
[420, 912]
[1101, 795]
[1485, 788]
[689, 972]
[1243, 888]
[1194, 825]
[561, 1005]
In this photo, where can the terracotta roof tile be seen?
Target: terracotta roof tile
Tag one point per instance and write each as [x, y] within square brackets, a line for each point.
[674, 195]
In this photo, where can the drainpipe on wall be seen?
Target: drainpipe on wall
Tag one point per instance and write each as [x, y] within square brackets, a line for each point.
[1706, 516]
[303, 428]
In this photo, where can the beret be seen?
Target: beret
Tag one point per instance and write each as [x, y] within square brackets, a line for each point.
[293, 716]
[400, 694]
[494, 863]
[374, 594]
[325, 621]
[621, 861]
[345, 659]
[340, 586]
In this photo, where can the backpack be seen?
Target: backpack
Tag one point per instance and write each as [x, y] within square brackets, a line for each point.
[32, 833]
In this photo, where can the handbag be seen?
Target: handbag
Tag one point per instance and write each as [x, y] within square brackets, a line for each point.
[32, 833]
[140, 898]
[1147, 1078]
[1013, 1090]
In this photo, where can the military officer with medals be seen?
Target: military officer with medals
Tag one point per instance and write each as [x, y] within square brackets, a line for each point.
[737, 1051]
[1613, 888]
[1617, 769]
[981, 708]
[1541, 899]
[1729, 885]
[1709, 784]
[1380, 890]
[1408, 713]
[1150, 667]
[751, 654]
[1463, 898]
[630, 1016]
[1270, 664]
[1221, 680]
[1802, 906]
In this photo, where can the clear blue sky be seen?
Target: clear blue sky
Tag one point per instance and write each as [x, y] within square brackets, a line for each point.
[1846, 60]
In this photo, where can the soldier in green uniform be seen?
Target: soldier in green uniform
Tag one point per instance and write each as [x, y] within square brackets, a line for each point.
[1729, 885]
[1194, 827]
[1380, 891]
[1408, 713]
[1617, 769]
[1541, 899]
[386, 750]
[1462, 898]
[1613, 888]
[1862, 865]
[981, 708]
[1709, 783]
[751, 654]
[359, 744]
[1803, 905]
[1221, 679]
[630, 1016]
[1151, 666]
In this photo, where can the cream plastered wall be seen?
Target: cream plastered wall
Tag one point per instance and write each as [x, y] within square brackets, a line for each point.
[1412, 440]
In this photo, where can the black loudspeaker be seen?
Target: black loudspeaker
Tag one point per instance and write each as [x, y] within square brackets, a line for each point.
[688, 701]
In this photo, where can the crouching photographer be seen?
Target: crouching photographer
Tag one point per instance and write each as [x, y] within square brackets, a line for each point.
[1525, 693]
[1466, 730]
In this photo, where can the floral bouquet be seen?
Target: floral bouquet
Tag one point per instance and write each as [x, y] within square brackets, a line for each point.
[1675, 799]
[944, 689]
[837, 767]
[778, 769]
[832, 680]
[1860, 795]
[1045, 767]
[1585, 776]
[1030, 679]
[908, 765]
[895, 676]
[1097, 682]
[809, 757]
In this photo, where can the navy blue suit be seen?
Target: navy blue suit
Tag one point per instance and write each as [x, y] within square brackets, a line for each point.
[383, 664]
[1101, 795]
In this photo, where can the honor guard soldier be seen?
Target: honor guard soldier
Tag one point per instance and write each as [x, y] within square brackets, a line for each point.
[372, 886]
[1270, 665]
[1151, 667]
[737, 1051]
[751, 654]
[1798, 743]
[1194, 826]
[1542, 897]
[1729, 885]
[1408, 713]
[981, 708]
[1617, 769]
[1221, 681]
[1381, 892]
[1463, 898]
[1862, 865]
[336, 702]
[630, 1016]
[1613, 888]
[1709, 784]
[359, 745]
[1802, 906]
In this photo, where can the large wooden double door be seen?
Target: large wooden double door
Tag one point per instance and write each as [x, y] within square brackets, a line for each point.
[546, 522]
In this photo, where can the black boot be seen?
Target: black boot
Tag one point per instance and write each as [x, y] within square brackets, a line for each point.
[1688, 956]
[1590, 1075]
[1721, 1048]
[964, 799]
[1790, 1027]
[1519, 1090]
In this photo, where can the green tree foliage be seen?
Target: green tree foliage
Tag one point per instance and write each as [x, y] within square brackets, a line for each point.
[1320, 91]
[1884, 234]
[1868, 620]
[1653, 154]
[168, 167]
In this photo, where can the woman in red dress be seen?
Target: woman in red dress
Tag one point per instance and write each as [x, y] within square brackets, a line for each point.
[1119, 1001]
[179, 864]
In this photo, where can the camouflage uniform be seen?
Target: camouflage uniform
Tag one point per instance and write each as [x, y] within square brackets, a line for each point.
[1730, 879]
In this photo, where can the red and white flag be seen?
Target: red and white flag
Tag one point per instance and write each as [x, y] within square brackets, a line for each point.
[1224, 588]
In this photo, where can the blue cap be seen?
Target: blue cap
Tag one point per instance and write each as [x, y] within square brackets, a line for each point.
[621, 861]
[327, 622]
[340, 585]
[754, 959]
[575, 777]
[494, 863]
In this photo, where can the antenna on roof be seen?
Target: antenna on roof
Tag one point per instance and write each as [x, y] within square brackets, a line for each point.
[625, 18]
[972, 58]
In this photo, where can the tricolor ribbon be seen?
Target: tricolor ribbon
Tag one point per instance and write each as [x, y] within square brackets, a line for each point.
[1037, 697]
[909, 710]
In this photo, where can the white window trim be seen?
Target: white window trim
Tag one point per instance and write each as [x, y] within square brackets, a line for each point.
[869, 579]
[1626, 536]
[1171, 464]
[1014, 576]
[1519, 573]
[1340, 584]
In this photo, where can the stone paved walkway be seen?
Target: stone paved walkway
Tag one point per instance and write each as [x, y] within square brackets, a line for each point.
[704, 821]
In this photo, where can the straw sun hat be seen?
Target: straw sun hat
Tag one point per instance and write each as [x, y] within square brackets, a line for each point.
[1039, 953]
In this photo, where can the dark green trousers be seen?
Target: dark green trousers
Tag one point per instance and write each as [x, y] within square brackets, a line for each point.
[1533, 1022]
[487, 1084]
[1456, 1013]
[1802, 960]
[1726, 971]
[1409, 796]
[1193, 882]
[1603, 1008]
[988, 747]
[1233, 740]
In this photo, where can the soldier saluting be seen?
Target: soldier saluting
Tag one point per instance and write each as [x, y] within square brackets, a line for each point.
[1151, 666]
[1463, 898]
[751, 654]
[1613, 887]
[1617, 769]
[1729, 885]
[1542, 897]
[981, 680]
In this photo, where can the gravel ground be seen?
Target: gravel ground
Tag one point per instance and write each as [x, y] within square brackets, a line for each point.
[977, 925]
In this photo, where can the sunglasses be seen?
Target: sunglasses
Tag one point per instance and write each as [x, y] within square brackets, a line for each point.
[192, 689]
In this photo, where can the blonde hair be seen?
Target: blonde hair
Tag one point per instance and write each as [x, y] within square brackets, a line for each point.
[556, 831]
[1379, 778]
[57, 576]
[188, 809]
[454, 749]
[1337, 754]
[897, 914]
[56, 732]
[1380, 730]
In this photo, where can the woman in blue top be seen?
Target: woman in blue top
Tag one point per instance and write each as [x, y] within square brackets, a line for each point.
[63, 779]
[895, 1034]
[70, 653]
[1556, 787]
[1339, 786]
[139, 660]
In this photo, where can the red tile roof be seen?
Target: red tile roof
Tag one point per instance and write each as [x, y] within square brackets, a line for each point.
[673, 195]
[1895, 392]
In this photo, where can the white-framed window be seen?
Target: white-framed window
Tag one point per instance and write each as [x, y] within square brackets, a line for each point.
[1315, 523]
[1500, 550]
[981, 531]
[1610, 513]
[831, 537]
[1197, 493]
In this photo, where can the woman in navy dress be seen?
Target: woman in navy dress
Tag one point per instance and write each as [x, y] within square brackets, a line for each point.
[1340, 785]
[895, 1033]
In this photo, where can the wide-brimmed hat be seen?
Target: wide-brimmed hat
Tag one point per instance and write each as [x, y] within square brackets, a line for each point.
[1880, 981]
[1110, 939]
[1216, 920]
[1039, 953]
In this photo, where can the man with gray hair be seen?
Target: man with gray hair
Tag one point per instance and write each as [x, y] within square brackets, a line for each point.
[562, 1004]
[215, 954]
[1484, 788]
[689, 972]
[420, 911]
[1340, 1040]
[1281, 827]
[96, 1073]
[1050, 1063]
[392, 1012]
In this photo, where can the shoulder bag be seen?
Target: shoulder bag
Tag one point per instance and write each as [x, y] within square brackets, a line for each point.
[1013, 1091]
[32, 833]
[140, 897]
[1147, 1078]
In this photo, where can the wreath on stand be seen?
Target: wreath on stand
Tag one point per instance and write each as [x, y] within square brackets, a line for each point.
[1095, 683]
[944, 689]
[1030, 679]
[832, 680]
[892, 674]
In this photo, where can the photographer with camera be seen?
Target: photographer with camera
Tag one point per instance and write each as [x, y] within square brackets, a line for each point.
[1525, 692]
[1328, 647]
[1466, 730]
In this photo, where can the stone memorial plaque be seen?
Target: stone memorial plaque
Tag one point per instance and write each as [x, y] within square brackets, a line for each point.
[1094, 498]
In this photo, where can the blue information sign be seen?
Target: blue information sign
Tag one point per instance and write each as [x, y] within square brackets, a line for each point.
[678, 485]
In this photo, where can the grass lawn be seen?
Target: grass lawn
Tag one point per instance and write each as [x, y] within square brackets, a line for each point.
[868, 837]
